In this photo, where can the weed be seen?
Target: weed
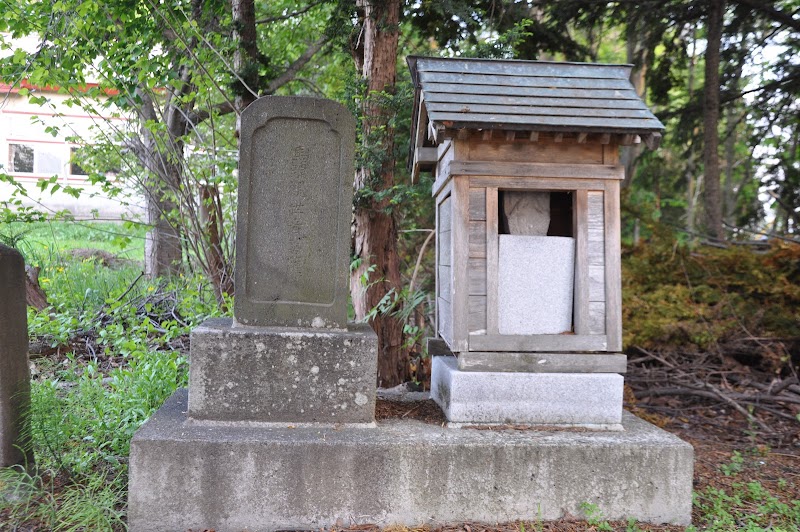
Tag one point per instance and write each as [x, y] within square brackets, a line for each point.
[25, 497]
[94, 505]
[85, 406]
[632, 526]
[594, 516]
[735, 466]
[747, 506]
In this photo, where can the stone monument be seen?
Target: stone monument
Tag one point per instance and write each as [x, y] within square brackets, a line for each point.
[277, 431]
[14, 371]
[288, 354]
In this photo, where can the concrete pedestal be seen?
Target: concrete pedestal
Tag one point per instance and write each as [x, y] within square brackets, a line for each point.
[282, 374]
[572, 399]
[199, 475]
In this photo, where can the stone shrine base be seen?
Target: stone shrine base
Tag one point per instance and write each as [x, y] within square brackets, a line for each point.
[264, 477]
[591, 400]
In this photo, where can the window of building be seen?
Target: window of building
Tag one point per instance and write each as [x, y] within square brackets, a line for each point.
[48, 159]
[74, 167]
[20, 158]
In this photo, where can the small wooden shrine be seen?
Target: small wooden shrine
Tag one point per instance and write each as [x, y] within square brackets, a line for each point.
[525, 156]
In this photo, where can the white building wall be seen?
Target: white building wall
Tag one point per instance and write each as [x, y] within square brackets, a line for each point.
[45, 130]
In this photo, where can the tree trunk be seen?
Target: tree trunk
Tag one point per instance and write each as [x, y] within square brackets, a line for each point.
[163, 241]
[728, 192]
[211, 218]
[691, 166]
[34, 294]
[713, 197]
[637, 55]
[375, 238]
[162, 157]
[732, 112]
[245, 65]
[245, 57]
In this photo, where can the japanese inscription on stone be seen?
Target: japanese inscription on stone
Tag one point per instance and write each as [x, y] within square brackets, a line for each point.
[295, 197]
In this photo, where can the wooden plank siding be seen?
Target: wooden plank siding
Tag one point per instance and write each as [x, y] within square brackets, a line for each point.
[477, 315]
[526, 111]
[460, 262]
[596, 262]
[580, 313]
[492, 260]
[477, 204]
[482, 226]
[477, 239]
[457, 120]
[550, 93]
[524, 151]
[613, 268]
[442, 94]
[477, 277]
[444, 321]
[537, 171]
[456, 78]
[476, 268]
[542, 68]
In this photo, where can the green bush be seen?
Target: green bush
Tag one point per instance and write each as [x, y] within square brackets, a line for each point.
[692, 297]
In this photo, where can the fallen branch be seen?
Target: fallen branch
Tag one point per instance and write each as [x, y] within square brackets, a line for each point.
[676, 374]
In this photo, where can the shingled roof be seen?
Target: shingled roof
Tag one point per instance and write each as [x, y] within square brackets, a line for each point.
[530, 95]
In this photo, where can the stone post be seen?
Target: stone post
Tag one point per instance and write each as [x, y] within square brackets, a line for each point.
[15, 391]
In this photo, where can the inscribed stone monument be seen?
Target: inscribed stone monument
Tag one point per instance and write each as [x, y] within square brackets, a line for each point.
[290, 355]
[295, 202]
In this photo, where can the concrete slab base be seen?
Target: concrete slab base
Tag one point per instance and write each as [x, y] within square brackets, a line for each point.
[572, 399]
[186, 474]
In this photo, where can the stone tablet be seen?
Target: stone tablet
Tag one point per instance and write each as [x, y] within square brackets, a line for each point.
[295, 205]
[535, 284]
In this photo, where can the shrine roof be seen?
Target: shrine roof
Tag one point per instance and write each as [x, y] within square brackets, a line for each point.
[529, 95]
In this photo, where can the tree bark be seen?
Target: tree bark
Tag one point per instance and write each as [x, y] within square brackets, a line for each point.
[713, 196]
[34, 294]
[245, 65]
[245, 57]
[163, 164]
[691, 166]
[637, 53]
[375, 237]
[732, 113]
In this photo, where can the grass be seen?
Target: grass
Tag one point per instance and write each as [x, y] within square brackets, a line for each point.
[89, 398]
[86, 405]
[49, 242]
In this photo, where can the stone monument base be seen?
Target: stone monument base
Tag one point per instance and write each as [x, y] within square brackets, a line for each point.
[282, 374]
[592, 400]
[231, 477]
